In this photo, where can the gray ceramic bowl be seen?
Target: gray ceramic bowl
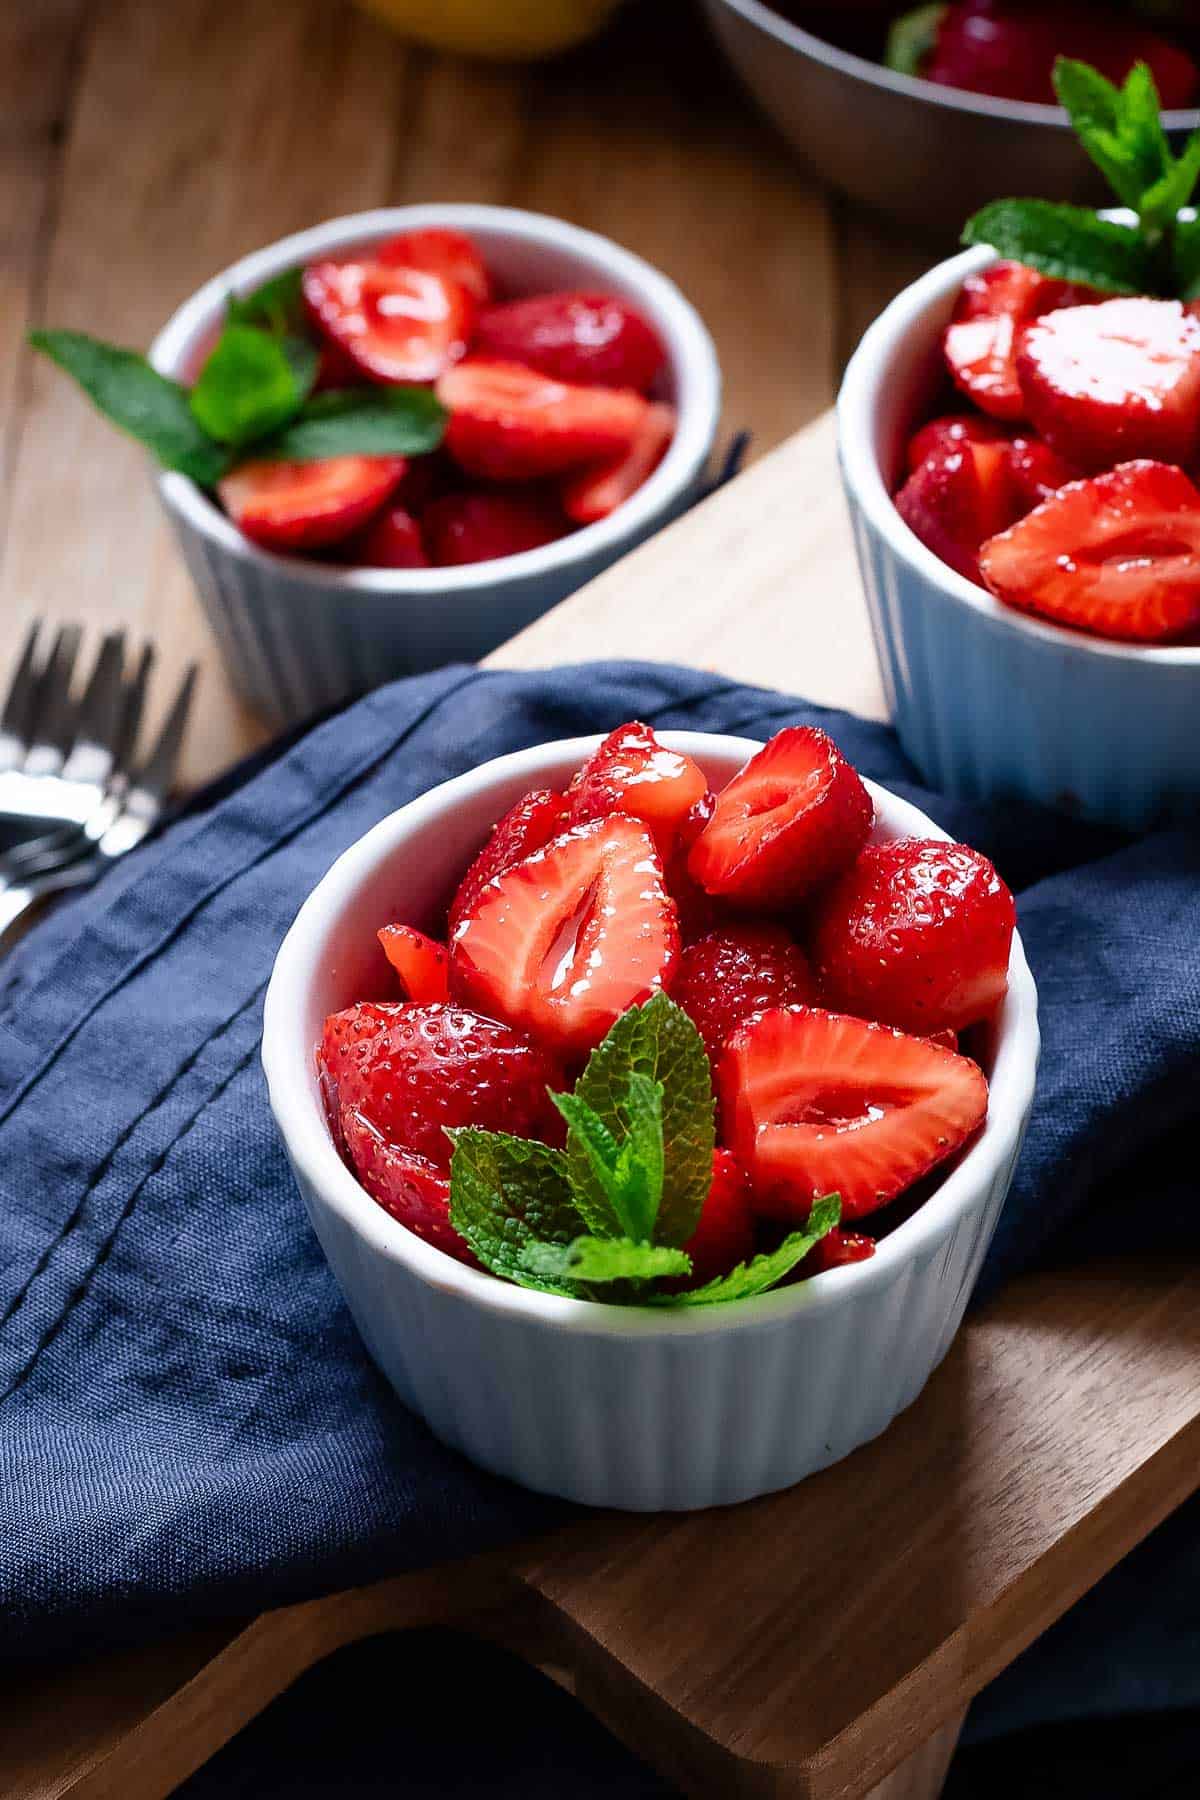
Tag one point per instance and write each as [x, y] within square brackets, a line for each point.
[927, 155]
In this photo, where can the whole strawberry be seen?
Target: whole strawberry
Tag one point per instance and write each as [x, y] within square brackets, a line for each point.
[735, 971]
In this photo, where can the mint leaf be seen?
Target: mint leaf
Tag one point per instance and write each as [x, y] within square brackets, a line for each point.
[1119, 128]
[762, 1272]
[251, 384]
[137, 398]
[626, 1170]
[658, 1041]
[277, 305]
[361, 422]
[912, 39]
[1161, 203]
[596, 1260]
[1069, 242]
[1185, 259]
[641, 1167]
[507, 1193]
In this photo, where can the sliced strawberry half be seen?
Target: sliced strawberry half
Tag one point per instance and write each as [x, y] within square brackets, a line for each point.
[392, 540]
[593, 339]
[509, 423]
[957, 499]
[1117, 555]
[981, 342]
[818, 1103]
[407, 1186]
[837, 1250]
[398, 325]
[1115, 382]
[725, 1231]
[632, 773]
[440, 251]
[1036, 472]
[572, 937]
[303, 505]
[594, 493]
[951, 432]
[528, 826]
[483, 527]
[792, 818]
[421, 962]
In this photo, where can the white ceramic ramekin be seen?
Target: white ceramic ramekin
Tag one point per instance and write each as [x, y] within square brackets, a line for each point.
[986, 701]
[300, 635]
[619, 1406]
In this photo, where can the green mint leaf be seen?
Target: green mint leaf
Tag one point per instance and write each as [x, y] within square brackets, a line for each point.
[658, 1041]
[1069, 242]
[277, 305]
[1161, 203]
[762, 1272]
[507, 1193]
[590, 1141]
[1185, 259]
[641, 1166]
[137, 398]
[1130, 153]
[594, 1260]
[251, 384]
[361, 422]
[912, 38]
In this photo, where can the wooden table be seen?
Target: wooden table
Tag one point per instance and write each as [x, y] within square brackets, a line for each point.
[140, 147]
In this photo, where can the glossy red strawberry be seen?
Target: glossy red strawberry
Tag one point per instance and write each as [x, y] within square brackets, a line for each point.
[428, 1067]
[725, 1233]
[593, 339]
[484, 527]
[441, 251]
[510, 423]
[990, 317]
[421, 963]
[1118, 555]
[399, 325]
[837, 1250]
[1036, 472]
[528, 826]
[409, 1187]
[917, 934]
[740, 969]
[632, 773]
[957, 499]
[392, 540]
[818, 1103]
[1009, 50]
[791, 819]
[571, 938]
[950, 432]
[304, 505]
[1115, 382]
[698, 912]
[596, 492]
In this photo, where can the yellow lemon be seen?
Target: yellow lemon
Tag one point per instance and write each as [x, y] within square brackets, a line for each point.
[496, 28]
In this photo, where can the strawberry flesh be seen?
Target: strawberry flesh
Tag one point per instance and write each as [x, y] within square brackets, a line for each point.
[392, 540]
[740, 969]
[407, 1186]
[596, 492]
[725, 1231]
[836, 1250]
[439, 251]
[510, 423]
[951, 432]
[633, 773]
[957, 499]
[592, 339]
[421, 963]
[398, 325]
[528, 826]
[304, 505]
[990, 315]
[485, 527]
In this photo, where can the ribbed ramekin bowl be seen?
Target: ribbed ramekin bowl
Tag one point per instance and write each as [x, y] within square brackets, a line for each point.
[618, 1406]
[300, 635]
[988, 702]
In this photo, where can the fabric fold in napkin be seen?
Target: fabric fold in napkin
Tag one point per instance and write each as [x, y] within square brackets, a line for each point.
[189, 1426]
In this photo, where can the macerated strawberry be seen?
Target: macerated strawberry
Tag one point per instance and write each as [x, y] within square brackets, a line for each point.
[510, 423]
[484, 527]
[421, 962]
[596, 492]
[399, 325]
[791, 819]
[632, 773]
[303, 505]
[917, 934]
[951, 432]
[346, 1046]
[817, 1103]
[433, 1066]
[1114, 382]
[957, 499]
[528, 826]
[698, 911]
[1036, 472]
[1117, 555]
[837, 1250]
[571, 938]
[593, 339]
[737, 970]
[996, 47]
[408, 1186]
[441, 251]
[725, 1232]
[981, 341]
[392, 540]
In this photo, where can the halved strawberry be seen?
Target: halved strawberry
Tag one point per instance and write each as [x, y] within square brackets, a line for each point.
[593, 339]
[392, 540]
[818, 1103]
[594, 493]
[951, 432]
[837, 1250]
[792, 818]
[406, 1185]
[451, 254]
[1118, 555]
[917, 934]
[981, 342]
[632, 773]
[725, 1231]
[302, 505]
[421, 962]
[479, 527]
[957, 499]
[572, 937]
[1036, 472]
[741, 968]
[397, 324]
[1111, 383]
[528, 826]
[509, 423]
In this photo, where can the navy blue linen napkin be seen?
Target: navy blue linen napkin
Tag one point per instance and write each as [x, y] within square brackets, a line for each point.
[189, 1426]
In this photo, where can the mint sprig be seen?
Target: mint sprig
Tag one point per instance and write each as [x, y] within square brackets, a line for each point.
[606, 1218]
[1121, 129]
